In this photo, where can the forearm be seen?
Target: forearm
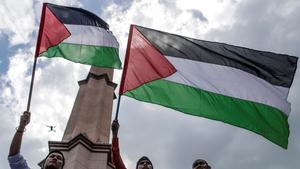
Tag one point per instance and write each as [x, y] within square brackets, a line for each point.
[15, 145]
[117, 159]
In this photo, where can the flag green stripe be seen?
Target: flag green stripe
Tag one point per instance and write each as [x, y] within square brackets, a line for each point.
[262, 119]
[86, 54]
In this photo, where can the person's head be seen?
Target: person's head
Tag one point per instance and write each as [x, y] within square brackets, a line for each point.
[144, 163]
[200, 164]
[54, 160]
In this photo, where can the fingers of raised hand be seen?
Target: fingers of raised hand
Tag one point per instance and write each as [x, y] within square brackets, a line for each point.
[115, 124]
[25, 118]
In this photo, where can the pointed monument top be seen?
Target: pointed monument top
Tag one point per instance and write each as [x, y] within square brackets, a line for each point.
[100, 71]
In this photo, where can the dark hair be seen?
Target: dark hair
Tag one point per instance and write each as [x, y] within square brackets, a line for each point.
[56, 151]
[143, 158]
[200, 161]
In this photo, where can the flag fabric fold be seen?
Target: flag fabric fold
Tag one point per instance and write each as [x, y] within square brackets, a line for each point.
[77, 35]
[236, 85]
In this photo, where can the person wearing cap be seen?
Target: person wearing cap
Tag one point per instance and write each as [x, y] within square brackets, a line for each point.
[200, 164]
[143, 163]
[54, 160]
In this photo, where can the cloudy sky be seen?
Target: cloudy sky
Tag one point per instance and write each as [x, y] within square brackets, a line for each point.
[171, 139]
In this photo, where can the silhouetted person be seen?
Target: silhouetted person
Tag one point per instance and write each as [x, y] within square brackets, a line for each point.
[54, 160]
[143, 163]
[200, 164]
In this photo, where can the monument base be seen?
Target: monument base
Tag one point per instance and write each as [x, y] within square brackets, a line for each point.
[81, 153]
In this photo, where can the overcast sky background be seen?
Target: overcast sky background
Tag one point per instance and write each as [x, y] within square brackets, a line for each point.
[172, 140]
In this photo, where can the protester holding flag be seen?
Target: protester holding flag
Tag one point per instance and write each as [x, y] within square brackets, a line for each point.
[54, 160]
[143, 163]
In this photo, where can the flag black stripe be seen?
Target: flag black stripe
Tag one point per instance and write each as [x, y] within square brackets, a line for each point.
[76, 16]
[277, 69]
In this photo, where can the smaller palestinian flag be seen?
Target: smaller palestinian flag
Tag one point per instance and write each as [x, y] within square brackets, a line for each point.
[77, 35]
[236, 85]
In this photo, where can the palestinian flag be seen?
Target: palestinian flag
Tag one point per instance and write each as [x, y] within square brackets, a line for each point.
[77, 35]
[239, 86]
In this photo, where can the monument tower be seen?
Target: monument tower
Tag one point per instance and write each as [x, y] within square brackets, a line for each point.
[85, 143]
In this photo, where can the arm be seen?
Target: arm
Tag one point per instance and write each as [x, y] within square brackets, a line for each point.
[17, 140]
[117, 159]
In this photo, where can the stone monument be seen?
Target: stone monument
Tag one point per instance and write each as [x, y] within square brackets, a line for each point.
[85, 143]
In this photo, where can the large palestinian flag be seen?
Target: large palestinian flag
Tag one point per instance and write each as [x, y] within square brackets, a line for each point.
[77, 35]
[243, 87]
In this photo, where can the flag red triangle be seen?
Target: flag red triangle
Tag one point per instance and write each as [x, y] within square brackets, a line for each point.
[52, 31]
[143, 62]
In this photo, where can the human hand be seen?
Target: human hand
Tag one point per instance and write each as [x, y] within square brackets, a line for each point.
[24, 120]
[115, 128]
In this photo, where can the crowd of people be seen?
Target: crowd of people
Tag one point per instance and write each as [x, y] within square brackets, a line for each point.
[56, 160]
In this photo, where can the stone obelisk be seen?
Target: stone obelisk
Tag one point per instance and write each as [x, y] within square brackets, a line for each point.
[85, 143]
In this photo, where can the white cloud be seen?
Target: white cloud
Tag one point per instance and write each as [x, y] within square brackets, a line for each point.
[152, 14]
[20, 19]
[219, 13]
[17, 20]
[17, 78]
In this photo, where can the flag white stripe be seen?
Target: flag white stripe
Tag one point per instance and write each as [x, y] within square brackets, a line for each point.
[90, 35]
[229, 81]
